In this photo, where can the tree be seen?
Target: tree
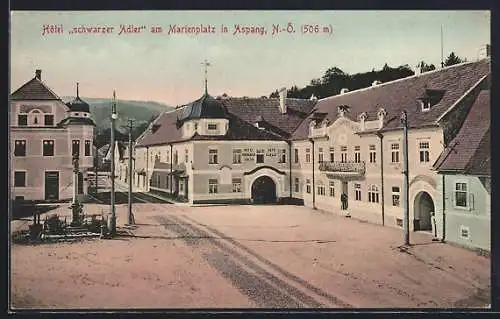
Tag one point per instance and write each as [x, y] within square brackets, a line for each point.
[452, 59]
[424, 67]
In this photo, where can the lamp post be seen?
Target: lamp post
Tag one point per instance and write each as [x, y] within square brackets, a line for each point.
[406, 221]
[75, 206]
[131, 220]
[114, 117]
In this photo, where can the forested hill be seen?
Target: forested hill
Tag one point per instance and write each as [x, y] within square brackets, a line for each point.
[335, 79]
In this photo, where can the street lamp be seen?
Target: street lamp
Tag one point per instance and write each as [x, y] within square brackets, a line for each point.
[406, 222]
[114, 117]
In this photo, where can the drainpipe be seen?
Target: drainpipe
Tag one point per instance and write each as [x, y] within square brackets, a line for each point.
[147, 168]
[444, 209]
[290, 167]
[379, 134]
[313, 184]
[171, 169]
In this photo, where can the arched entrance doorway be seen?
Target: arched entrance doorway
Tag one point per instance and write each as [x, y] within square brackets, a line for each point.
[263, 190]
[423, 209]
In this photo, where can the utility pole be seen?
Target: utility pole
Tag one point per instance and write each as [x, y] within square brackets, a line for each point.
[96, 170]
[406, 222]
[114, 117]
[442, 57]
[131, 219]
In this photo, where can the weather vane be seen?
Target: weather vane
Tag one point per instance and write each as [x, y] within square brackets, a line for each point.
[206, 64]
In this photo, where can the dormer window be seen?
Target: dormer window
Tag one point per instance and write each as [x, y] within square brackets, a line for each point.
[426, 106]
[155, 128]
[35, 116]
[429, 98]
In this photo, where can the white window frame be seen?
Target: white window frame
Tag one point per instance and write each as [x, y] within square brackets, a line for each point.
[308, 186]
[425, 151]
[461, 229]
[237, 156]
[236, 185]
[469, 196]
[332, 154]
[320, 155]
[373, 194]
[321, 189]
[54, 147]
[357, 192]
[213, 186]
[282, 158]
[343, 154]
[357, 154]
[373, 153]
[394, 194]
[395, 153]
[210, 126]
[296, 155]
[426, 106]
[308, 155]
[53, 119]
[213, 156]
[27, 119]
[260, 152]
[297, 185]
[39, 116]
[21, 142]
[332, 189]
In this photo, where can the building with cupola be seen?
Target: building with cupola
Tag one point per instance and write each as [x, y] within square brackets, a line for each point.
[310, 151]
[45, 134]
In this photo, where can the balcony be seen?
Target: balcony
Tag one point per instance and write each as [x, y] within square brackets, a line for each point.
[343, 169]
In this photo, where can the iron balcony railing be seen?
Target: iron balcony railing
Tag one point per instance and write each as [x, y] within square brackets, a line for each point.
[343, 167]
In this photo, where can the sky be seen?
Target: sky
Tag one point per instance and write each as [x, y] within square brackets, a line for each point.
[167, 67]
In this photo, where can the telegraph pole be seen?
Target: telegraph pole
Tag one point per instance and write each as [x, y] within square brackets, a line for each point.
[131, 219]
[96, 170]
[114, 117]
[406, 222]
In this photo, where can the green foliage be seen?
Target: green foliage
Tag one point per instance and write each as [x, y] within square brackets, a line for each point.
[453, 59]
[424, 67]
[335, 79]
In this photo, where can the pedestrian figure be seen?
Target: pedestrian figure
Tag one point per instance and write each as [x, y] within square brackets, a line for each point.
[343, 199]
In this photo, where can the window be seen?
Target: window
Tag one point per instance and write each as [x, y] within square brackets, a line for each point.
[320, 155]
[395, 196]
[158, 180]
[212, 186]
[296, 155]
[212, 127]
[236, 185]
[357, 154]
[357, 191]
[212, 156]
[186, 156]
[373, 194]
[19, 179]
[308, 155]
[332, 188]
[35, 117]
[321, 189]
[426, 106]
[373, 154]
[332, 154]
[461, 194]
[176, 158]
[75, 148]
[297, 185]
[343, 154]
[48, 120]
[236, 156]
[168, 156]
[260, 156]
[283, 156]
[48, 147]
[464, 232]
[20, 148]
[395, 153]
[167, 181]
[22, 120]
[88, 143]
[308, 186]
[424, 152]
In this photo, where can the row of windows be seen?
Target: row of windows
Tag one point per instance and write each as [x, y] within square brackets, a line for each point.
[49, 147]
[213, 156]
[423, 152]
[213, 185]
[35, 118]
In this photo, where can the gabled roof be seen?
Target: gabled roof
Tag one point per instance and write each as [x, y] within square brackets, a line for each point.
[469, 152]
[404, 94]
[34, 89]
[242, 114]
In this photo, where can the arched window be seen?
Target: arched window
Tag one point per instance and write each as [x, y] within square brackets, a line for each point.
[35, 117]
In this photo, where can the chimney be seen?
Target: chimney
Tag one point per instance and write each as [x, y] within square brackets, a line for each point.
[376, 82]
[38, 74]
[283, 93]
[344, 90]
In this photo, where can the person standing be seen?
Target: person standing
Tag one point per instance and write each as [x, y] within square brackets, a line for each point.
[343, 199]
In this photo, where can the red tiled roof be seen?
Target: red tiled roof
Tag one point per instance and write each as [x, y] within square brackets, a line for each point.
[34, 89]
[403, 94]
[242, 115]
[469, 151]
